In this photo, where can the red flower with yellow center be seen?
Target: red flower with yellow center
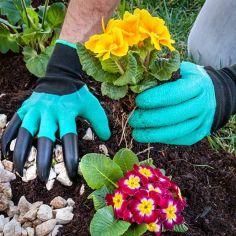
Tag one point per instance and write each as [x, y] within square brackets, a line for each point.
[143, 207]
[172, 215]
[155, 227]
[146, 173]
[130, 184]
[118, 201]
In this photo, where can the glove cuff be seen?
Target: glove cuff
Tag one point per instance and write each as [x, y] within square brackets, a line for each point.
[64, 72]
[224, 81]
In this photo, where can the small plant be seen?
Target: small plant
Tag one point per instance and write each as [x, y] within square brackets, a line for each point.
[32, 31]
[135, 52]
[131, 197]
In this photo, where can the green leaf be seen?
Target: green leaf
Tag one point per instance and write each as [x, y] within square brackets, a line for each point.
[99, 170]
[136, 230]
[37, 63]
[110, 66]
[5, 22]
[98, 197]
[114, 92]
[148, 82]
[33, 16]
[92, 66]
[12, 9]
[105, 224]
[126, 159]
[7, 40]
[129, 77]
[55, 14]
[180, 228]
[147, 162]
[162, 68]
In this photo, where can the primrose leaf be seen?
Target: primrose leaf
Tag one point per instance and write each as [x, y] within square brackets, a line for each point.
[92, 66]
[126, 159]
[55, 14]
[162, 68]
[129, 77]
[182, 228]
[12, 9]
[7, 40]
[37, 63]
[110, 66]
[147, 162]
[99, 170]
[98, 197]
[114, 92]
[148, 82]
[104, 223]
[136, 230]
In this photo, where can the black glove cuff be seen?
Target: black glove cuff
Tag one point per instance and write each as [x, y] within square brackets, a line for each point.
[63, 74]
[224, 81]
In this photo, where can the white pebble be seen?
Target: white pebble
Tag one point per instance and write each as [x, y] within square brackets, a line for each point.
[3, 121]
[89, 135]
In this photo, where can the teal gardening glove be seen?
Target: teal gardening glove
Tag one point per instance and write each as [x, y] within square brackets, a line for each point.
[185, 111]
[57, 100]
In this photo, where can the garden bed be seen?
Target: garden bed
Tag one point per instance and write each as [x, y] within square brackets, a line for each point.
[206, 178]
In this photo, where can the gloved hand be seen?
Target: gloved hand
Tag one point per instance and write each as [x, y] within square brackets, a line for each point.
[54, 105]
[184, 111]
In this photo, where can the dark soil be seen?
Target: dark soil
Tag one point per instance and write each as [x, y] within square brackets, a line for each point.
[207, 178]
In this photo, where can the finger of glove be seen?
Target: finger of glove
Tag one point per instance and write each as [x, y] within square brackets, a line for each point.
[96, 115]
[167, 116]
[169, 94]
[166, 134]
[44, 157]
[22, 149]
[48, 126]
[10, 133]
[67, 124]
[71, 154]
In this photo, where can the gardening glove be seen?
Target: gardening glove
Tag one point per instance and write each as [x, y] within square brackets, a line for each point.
[57, 100]
[184, 111]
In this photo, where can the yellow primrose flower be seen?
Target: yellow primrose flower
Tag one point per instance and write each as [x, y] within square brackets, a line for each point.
[107, 44]
[92, 42]
[155, 28]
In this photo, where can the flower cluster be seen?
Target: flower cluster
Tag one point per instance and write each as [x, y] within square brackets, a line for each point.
[131, 31]
[146, 196]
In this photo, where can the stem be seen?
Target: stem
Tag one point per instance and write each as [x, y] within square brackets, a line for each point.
[45, 12]
[25, 11]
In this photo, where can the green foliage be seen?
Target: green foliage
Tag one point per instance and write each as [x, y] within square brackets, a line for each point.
[98, 197]
[147, 162]
[126, 159]
[99, 170]
[7, 40]
[180, 228]
[114, 92]
[134, 71]
[31, 30]
[136, 230]
[93, 67]
[37, 63]
[162, 68]
[105, 224]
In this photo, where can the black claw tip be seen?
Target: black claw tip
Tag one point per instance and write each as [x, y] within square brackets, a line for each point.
[10, 133]
[44, 157]
[22, 149]
[71, 154]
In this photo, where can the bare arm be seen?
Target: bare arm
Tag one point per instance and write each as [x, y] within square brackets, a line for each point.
[83, 18]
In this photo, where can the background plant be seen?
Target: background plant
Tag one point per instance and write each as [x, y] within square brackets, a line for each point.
[134, 52]
[30, 31]
[103, 175]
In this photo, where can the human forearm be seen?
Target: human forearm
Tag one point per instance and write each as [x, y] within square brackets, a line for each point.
[83, 18]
